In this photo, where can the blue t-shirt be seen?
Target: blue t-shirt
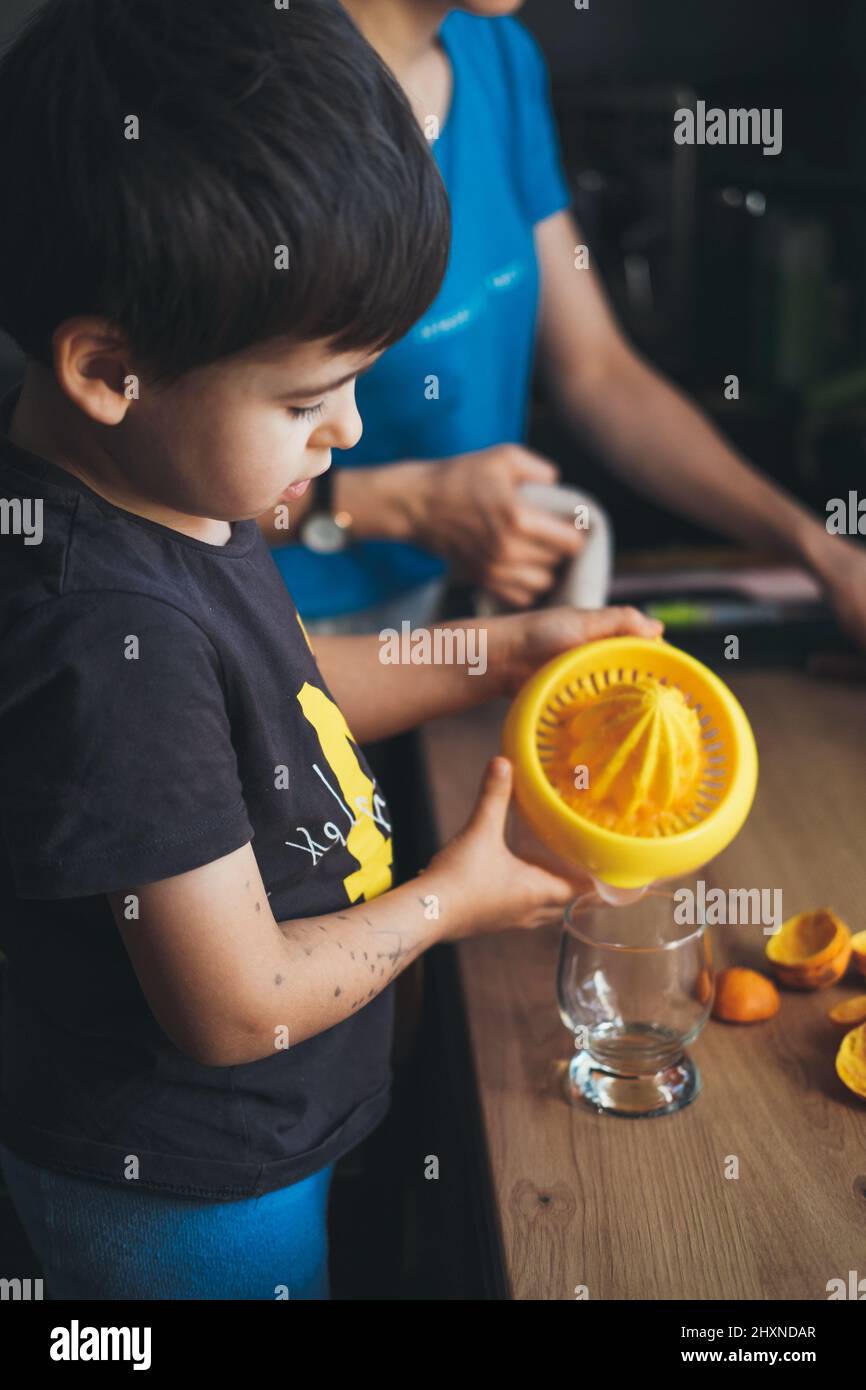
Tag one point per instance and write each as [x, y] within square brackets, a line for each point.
[460, 379]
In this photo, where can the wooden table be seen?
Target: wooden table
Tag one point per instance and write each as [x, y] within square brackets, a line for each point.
[642, 1209]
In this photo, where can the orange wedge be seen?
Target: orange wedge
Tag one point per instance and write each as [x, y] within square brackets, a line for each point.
[851, 1060]
[744, 996]
[849, 1013]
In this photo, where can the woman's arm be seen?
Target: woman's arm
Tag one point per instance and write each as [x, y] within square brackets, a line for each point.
[471, 661]
[468, 509]
[648, 432]
[654, 438]
[380, 698]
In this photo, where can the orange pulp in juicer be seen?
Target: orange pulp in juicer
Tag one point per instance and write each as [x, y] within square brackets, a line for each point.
[640, 744]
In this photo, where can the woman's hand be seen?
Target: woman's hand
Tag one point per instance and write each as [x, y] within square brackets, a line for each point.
[840, 567]
[842, 571]
[469, 510]
[479, 885]
[522, 642]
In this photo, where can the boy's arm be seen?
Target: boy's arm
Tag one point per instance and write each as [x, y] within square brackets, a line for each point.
[229, 984]
[380, 697]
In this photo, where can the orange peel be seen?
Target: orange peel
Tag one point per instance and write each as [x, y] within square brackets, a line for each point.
[858, 951]
[810, 950]
[851, 1061]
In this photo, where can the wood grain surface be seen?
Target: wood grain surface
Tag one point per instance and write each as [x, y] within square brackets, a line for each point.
[641, 1209]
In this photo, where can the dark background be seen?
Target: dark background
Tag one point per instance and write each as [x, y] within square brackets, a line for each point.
[718, 260]
[754, 263]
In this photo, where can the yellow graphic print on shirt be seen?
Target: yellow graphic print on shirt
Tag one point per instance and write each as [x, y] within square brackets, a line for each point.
[366, 840]
[306, 634]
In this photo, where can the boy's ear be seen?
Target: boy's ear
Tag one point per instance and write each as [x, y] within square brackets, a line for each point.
[91, 363]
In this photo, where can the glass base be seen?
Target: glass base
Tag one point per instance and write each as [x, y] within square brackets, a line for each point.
[633, 1095]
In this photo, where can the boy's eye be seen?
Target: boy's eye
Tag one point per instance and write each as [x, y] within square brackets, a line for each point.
[306, 412]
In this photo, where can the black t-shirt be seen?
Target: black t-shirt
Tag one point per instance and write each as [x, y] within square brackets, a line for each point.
[160, 707]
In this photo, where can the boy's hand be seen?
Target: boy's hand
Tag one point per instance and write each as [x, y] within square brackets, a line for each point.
[525, 641]
[481, 886]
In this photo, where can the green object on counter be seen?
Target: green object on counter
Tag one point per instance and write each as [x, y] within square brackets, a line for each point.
[680, 614]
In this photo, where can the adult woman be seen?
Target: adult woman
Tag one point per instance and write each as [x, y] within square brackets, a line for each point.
[445, 409]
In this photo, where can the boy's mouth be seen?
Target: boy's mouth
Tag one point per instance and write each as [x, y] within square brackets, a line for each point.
[297, 489]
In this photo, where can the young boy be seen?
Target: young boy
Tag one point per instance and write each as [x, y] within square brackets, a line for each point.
[220, 215]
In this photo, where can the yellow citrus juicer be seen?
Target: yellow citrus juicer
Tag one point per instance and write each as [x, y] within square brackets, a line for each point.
[632, 760]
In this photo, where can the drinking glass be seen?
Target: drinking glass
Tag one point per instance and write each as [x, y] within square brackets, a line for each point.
[635, 987]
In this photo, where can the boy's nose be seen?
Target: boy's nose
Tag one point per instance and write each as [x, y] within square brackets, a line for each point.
[343, 426]
[347, 426]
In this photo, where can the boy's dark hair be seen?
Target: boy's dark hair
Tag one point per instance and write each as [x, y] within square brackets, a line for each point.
[259, 127]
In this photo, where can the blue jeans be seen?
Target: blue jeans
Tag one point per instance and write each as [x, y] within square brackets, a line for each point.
[99, 1240]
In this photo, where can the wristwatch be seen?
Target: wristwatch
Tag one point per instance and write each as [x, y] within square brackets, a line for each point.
[324, 530]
